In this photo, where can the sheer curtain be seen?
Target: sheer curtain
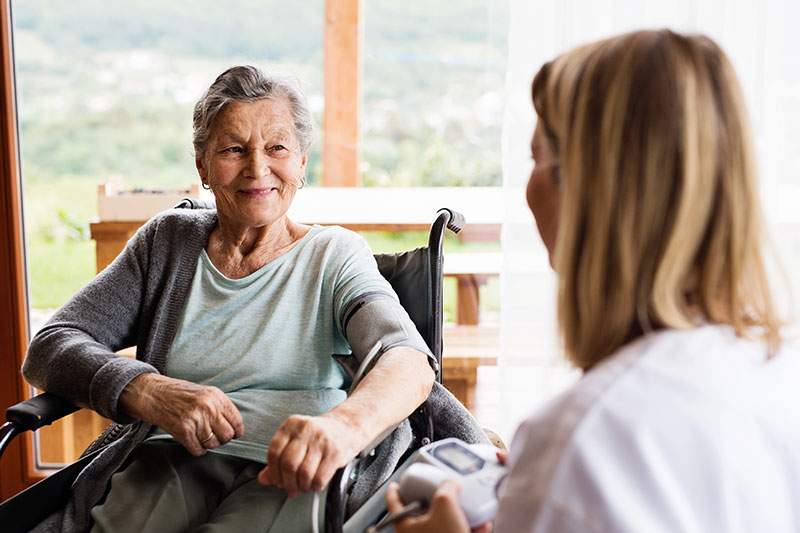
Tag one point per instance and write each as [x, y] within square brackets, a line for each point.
[762, 40]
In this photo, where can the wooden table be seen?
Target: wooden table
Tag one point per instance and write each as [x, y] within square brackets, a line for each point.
[361, 209]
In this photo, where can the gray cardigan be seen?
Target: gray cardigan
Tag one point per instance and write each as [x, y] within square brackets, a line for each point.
[138, 300]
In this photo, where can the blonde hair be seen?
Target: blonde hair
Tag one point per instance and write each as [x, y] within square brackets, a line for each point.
[659, 222]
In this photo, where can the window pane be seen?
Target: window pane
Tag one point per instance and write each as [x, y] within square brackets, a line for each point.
[434, 77]
[106, 89]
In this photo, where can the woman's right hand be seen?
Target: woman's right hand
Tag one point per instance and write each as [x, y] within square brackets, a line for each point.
[199, 417]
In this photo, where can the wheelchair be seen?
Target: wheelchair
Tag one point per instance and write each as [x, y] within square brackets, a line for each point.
[417, 278]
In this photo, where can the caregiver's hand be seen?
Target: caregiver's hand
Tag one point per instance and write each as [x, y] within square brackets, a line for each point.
[444, 516]
[445, 513]
[306, 451]
[199, 417]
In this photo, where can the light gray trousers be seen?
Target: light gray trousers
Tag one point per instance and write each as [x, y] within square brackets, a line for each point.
[164, 488]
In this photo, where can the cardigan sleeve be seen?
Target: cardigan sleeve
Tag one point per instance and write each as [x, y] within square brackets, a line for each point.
[73, 355]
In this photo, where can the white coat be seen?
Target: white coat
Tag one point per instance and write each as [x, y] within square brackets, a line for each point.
[679, 431]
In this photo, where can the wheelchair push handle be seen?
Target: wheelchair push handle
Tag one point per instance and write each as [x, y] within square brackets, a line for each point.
[456, 221]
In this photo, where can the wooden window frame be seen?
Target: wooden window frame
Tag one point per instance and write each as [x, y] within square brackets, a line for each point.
[341, 155]
[17, 467]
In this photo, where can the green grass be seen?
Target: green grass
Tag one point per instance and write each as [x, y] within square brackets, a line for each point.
[60, 255]
[56, 270]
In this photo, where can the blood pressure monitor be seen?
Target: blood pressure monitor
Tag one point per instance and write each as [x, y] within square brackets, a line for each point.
[456, 456]
[474, 467]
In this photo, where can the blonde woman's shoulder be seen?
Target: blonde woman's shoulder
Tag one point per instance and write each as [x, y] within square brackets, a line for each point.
[677, 418]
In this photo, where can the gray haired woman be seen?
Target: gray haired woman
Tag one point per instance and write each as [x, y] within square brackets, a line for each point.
[235, 313]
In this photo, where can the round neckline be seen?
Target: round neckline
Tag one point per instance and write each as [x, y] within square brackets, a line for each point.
[269, 265]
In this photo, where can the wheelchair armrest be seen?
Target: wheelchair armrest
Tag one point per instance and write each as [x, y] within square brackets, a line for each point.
[39, 411]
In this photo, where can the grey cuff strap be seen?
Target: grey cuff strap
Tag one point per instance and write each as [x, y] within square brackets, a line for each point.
[379, 318]
[374, 323]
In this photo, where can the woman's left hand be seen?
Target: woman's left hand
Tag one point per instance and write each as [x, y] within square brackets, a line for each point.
[306, 451]
[444, 516]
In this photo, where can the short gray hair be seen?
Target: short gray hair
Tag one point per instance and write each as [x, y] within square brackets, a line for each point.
[248, 84]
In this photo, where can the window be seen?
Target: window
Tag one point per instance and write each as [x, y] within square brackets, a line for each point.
[433, 92]
[106, 89]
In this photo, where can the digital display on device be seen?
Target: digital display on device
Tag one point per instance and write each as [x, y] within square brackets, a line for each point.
[458, 458]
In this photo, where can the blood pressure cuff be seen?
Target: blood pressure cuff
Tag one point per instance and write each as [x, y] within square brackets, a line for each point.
[374, 323]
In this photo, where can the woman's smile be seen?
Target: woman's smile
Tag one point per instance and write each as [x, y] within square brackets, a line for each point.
[254, 163]
[258, 192]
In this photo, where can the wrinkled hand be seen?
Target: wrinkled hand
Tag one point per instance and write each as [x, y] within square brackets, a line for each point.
[306, 451]
[443, 516]
[199, 417]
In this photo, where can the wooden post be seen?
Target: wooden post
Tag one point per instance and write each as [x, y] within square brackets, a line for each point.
[340, 153]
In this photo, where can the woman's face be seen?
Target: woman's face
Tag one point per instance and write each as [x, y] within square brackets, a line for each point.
[543, 189]
[253, 162]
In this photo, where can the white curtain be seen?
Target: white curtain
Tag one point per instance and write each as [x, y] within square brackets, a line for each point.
[761, 38]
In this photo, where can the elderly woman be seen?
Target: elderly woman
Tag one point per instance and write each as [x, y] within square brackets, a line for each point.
[235, 313]
[645, 195]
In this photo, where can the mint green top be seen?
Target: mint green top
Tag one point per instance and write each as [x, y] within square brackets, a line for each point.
[266, 339]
